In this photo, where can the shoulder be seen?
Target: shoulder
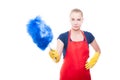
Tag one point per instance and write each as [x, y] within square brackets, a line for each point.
[87, 33]
[64, 34]
[64, 37]
[90, 37]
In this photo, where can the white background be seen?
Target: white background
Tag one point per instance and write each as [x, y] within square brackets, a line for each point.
[21, 59]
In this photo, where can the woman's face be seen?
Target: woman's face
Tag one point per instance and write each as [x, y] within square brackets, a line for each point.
[76, 20]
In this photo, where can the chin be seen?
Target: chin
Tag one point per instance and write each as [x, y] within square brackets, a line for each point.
[76, 29]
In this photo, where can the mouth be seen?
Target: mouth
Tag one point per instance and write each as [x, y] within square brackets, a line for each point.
[76, 26]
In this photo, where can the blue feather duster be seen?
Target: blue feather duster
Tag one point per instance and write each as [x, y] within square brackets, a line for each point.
[40, 32]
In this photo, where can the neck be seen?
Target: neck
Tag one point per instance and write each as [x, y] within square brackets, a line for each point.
[75, 31]
[76, 35]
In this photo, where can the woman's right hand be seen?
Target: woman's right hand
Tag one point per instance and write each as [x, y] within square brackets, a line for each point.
[54, 55]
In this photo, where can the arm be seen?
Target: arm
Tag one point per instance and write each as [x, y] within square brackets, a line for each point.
[96, 55]
[95, 46]
[60, 46]
[55, 54]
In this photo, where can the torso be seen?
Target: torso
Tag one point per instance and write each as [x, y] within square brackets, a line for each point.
[64, 38]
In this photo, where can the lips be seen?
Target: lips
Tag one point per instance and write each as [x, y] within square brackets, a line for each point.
[75, 26]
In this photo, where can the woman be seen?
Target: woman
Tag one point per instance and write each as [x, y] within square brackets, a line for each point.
[74, 44]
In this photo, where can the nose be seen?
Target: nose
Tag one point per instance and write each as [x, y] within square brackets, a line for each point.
[75, 22]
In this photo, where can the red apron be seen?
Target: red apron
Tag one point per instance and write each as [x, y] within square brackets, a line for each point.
[73, 67]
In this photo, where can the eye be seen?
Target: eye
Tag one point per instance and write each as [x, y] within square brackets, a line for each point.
[78, 19]
[72, 19]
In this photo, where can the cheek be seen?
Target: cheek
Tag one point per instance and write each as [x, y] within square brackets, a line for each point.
[80, 22]
[72, 23]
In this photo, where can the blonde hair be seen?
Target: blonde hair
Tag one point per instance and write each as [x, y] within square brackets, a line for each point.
[76, 10]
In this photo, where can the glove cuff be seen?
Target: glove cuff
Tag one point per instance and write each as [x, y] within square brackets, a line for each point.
[97, 54]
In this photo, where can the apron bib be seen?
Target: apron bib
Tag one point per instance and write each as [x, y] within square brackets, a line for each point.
[73, 67]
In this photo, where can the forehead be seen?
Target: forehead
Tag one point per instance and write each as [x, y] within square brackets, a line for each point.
[76, 15]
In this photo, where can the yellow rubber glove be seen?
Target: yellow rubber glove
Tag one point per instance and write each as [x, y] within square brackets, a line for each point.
[92, 61]
[54, 55]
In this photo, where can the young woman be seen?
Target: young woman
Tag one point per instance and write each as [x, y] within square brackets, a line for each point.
[74, 44]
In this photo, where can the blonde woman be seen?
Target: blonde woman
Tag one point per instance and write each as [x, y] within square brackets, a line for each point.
[74, 44]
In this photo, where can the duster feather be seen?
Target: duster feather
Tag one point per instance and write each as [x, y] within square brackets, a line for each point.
[40, 32]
